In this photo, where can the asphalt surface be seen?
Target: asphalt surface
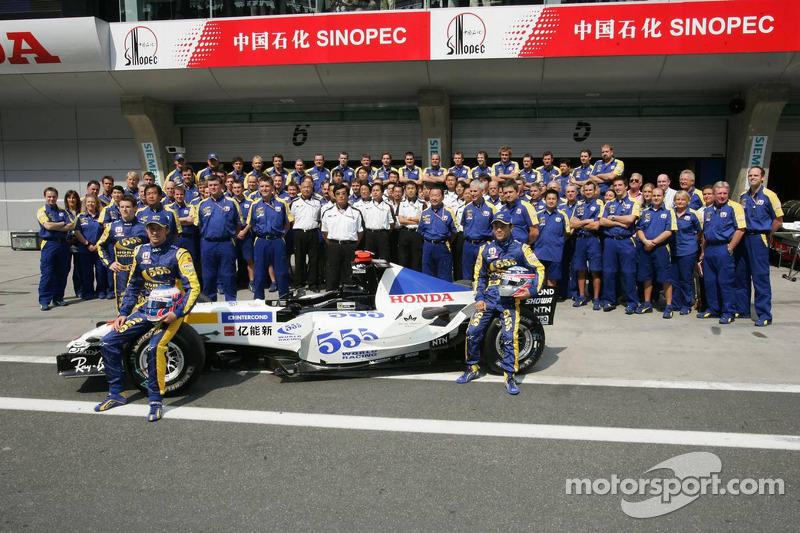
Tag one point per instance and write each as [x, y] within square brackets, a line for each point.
[92, 472]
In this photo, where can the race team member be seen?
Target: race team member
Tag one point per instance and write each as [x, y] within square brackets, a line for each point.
[685, 252]
[686, 180]
[386, 168]
[119, 240]
[378, 222]
[459, 168]
[258, 166]
[238, 169]
[169, 194]
[132, 184]
[191, 191]
[347, 173]
[366, 164]
[505, 169]
[409, 241]
[655, 229]
[588, 248]
[175, 174]
[433, 174]
[319, 173]
[188, 236]
[218, 220]
[410, 171]
[269, 219]
[521, 214]
[764, 216]
[723, 229]
[548, 171]
[211, 169]
[554, 229]
[306, 210]
[492, 193]
[618, 223]
[662, 181]
[607, 169]
[438, 229]
[494, 259]
[299, 173]
[156, 265]
[277, 169]
[54, 224]
[582, 174]
[155, 211]
[93, 189]
[483, 167]
[530, 174]
[244, 245]
[108, 186]
[88, 230]
[342, 228]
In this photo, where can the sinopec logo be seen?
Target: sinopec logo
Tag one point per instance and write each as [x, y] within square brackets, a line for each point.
[466, 35]
[141, 47]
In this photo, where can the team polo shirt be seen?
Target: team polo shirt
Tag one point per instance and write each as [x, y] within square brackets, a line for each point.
[204, 174]
[184, 210]
[135, 193]
[479, 170]
[695, 199]
[568, 209]
[588, 210]
[720, 222]
[174, 176]
[531, 176]
[283, 172]
[548, 174]
[191, 193]
[110, 213]
[582, 174]
[306, 212]
[437, 223]
[553, 230]
[655, 221]
[244, 204]
[319, 175]
[241, 176]
[500, 168]
[615, 165]
[52, 214]
[435, 172]
[218, 218]
[382, 173]
[342, 224]
[163, 216]
[497, 203]
[268, 218]
[689, 225]
[297, 177]
[462, 172]
[760, 209]
[412, 173]
[90, 227]
[523, 217]
[623, 207]
[347, 173]
[377, 215]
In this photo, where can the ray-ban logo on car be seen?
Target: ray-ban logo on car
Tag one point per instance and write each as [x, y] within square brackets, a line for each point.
[141, 47]
[466, 35]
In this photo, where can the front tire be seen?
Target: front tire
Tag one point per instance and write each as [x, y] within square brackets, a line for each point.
[531, 343]
[186, 357]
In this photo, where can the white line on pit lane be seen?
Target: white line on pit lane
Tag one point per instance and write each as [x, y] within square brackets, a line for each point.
[528, 379]
[426, 426]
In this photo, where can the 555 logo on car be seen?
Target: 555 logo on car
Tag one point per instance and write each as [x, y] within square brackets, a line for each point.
[466, 35]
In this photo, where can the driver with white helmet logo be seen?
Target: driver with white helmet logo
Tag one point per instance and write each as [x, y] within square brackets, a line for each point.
[506, 272]
[162, 289]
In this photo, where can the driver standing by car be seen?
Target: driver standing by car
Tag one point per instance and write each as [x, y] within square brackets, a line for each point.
[495, 258]
[157, 267]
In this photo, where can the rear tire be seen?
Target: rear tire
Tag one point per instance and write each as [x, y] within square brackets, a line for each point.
[186, 357]
[531, 343]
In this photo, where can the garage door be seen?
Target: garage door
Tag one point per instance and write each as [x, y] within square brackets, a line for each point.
[303, 140]
[630, 137]
[787, 138]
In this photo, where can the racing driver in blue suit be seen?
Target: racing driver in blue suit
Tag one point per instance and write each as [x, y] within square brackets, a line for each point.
[161, 291]
[496, 260]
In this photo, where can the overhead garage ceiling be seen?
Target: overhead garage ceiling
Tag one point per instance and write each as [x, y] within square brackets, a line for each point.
[645, 77]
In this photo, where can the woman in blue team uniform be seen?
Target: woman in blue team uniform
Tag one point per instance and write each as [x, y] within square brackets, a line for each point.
[88, 231]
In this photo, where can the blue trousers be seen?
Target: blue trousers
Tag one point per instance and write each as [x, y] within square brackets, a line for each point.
[437, 260]
[718, 271]
[92, 269]
[568, 283]
[683, 281]
[508, 311]
[270, 252]
[54, 267]
[120, 282]
[588, 250]
[219, 262]
[112, 347]
[468, 257]
[654, 265]
[619, 256]
[752, 268]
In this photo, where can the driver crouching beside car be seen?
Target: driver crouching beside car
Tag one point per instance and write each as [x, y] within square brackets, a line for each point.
[506, 273]
[161, 291]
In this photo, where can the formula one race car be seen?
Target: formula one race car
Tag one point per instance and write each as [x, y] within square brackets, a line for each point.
[391, 317]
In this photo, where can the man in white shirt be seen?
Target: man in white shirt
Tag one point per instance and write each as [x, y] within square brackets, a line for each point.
[669, 193]
[379, 220]
[306, 211]
[342, 228]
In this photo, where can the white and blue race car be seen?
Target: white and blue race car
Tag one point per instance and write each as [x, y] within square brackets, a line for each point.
[391, 317]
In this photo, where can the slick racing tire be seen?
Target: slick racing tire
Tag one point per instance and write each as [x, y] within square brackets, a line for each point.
[186, 357]
[531, 343]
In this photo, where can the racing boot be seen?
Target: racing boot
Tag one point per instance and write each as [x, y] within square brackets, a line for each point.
[511, 385]
[112, 400]
[469, 374]
[156, 412]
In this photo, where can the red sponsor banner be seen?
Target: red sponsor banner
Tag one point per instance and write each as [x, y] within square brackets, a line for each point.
[296, 40]
[713, 27]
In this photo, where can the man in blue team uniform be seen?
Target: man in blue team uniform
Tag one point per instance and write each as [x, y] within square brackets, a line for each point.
[553, 231]
[588, 248]
[618, 222]
[54, 224]
[495, 258]
[476, 219]
[438, 229]
[521, 214]
[607, 169]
